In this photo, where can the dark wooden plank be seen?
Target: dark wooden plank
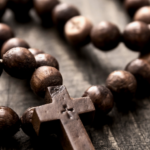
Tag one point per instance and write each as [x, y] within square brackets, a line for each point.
[80, 69]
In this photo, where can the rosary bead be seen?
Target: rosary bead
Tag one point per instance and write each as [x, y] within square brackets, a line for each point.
[143, 14]
[77, 31]
[141, 70]
[62, 13]
[20, 8]
[46, 60]
[44, 8]
[145, 57]
[35, 51]
[122, 84]
[3, 6]
[9, 122]
[136, 36]
[133, 5]
[19, 62]
[1, 66]
[105, 36]
[26, 122]
[44, 77]
[5, 33]
[102, 98]
[12, 43]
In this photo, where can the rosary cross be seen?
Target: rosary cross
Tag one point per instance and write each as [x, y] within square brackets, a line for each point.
[62, 113]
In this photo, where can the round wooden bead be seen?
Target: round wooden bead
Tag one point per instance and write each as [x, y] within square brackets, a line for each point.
[136, 36]
[5, 33]
[12, 43]
[9, 122]
[3, 6]
[105, 36]
[1, 66]
[140, 69]
[143, 14]
[77, 31]
[46, 60]
[20, 8]
[19, 62]
[62, 13]
[44, 77]
[122, 84]
[26, 122]
[149, 26]
[133, 5]
[102, 98]
[35, 51]
[44, 8]
[145, 57]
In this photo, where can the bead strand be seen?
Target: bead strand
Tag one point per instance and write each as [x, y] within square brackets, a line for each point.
[63, 14]
[21, 61]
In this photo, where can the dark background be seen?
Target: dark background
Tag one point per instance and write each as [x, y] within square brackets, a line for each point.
[80, 68]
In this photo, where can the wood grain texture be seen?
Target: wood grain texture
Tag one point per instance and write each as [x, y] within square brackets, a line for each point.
[80, 68]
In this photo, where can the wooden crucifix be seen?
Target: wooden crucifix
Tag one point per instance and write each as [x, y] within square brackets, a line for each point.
[62, 114]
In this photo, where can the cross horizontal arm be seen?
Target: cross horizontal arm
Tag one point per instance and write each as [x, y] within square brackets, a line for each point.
[83, 105]
[43, 114]
[48, 112]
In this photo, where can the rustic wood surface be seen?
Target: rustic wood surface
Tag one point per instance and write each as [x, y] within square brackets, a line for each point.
[80, 69]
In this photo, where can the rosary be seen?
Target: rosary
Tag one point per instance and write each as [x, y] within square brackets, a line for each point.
[62, 114]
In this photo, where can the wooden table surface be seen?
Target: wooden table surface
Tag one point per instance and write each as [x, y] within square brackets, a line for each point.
[80, 68]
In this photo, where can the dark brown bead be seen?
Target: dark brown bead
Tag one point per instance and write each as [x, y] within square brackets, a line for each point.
[141, 70]
[149, 26]
[122, 84]
[19, 62]
[101, 97]
[20, 8]
[143, 14]
[9, 122]
[35, 51]
[105, 36]
[77, 31]
[133, 5]
[26, 122]
[5, 33]
[1, 66]
[145, 57]
[136, 36]
[46, 60]
[12, 43]
[44, 77]
[3, 6]
[62, 13]
[44, 8]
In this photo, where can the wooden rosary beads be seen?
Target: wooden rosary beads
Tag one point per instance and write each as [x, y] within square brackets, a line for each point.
[61, 113]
